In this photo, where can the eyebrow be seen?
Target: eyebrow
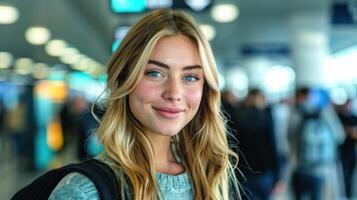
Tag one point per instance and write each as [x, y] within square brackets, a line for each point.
[160, 64]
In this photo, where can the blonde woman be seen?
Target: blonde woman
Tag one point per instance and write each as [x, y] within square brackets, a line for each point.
[162, 130]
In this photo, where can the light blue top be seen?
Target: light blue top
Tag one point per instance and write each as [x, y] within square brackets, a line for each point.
[79, 187]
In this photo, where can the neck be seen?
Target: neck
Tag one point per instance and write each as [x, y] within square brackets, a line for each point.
[162, 149]
[164, 159]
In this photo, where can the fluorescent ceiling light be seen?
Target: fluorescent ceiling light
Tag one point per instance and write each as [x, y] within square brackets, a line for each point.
[23, 65]
[198, 5]
[154, 4]
[40, 71]
[278, 78]
[37, 35]
[8, 14]
[208, 30]
[5, 60]
[82, 64]
[225, 13]
[70, 55]
[55, 47]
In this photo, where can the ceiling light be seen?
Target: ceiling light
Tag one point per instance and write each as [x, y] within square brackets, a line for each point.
[37, 35]
[278, 78]
[198, 5]
[55, 47]
[5, 60]
[40, 71]
[69, 51]
[208, 30]
[23, 65]
[82, 64]
[159, 4]
[70, 55]
[224, 13]
[8, 14]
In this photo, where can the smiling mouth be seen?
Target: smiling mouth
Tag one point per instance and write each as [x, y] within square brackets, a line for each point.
[169, 113]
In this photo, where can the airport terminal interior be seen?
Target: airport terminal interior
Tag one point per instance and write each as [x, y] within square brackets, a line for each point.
[273, 57]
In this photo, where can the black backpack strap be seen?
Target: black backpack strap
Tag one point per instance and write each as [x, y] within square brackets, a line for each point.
[98, 172]
[101, 175]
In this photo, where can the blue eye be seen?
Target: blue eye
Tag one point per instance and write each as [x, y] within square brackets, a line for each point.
[191, 78]
[154, 74]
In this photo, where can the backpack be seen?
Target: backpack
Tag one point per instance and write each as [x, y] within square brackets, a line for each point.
[100, 173]
[315, 142]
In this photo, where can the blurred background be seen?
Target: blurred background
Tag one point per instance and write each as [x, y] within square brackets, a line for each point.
[53, 57]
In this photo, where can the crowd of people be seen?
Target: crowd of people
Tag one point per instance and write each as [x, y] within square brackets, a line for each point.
[304, 146]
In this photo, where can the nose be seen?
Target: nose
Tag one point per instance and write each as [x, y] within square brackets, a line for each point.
[172, 91]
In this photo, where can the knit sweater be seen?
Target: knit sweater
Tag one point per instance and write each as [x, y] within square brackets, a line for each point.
[79, 187]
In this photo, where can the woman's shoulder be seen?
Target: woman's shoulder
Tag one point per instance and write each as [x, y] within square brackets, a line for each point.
[75, 186]
[105, 158]
[78, 186]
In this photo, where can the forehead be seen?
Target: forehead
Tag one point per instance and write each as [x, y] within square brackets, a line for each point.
[176, 50]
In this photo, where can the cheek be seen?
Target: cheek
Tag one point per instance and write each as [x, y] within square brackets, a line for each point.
[144, 92]
[194, 97]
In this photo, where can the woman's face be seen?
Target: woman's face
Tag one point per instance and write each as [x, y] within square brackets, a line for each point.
[168, 96]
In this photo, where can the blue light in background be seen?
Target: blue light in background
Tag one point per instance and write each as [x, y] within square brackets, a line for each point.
[115, 45]
[120, 33]
[44, 112]
[128, 6]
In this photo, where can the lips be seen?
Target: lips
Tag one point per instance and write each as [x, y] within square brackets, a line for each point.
[169, 112]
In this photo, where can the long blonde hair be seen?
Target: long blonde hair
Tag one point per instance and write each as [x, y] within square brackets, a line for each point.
[201, 145]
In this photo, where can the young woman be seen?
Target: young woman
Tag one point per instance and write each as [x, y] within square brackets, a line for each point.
[162, 131]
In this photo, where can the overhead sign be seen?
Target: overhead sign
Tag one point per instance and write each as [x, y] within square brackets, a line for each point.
[344, 13]
[129, 6]
[265, 49]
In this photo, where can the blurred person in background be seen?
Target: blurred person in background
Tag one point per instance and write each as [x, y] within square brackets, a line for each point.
[79, 126]
[89, 145]
[281, 112]
[71, 116]
[259, 160]
[162, 130]
[2, 137]
[314, 135]
[229, 109]
[15, 127]
[348, 149]
[2, 114]
[84, 124]
[229, 102]
[69, 122]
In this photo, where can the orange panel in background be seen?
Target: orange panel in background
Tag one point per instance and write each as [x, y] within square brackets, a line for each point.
[54, 135]
[54, 90]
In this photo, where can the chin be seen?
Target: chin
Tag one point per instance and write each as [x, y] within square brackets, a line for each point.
[167, 129]
[170, 133]
[167, 132]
